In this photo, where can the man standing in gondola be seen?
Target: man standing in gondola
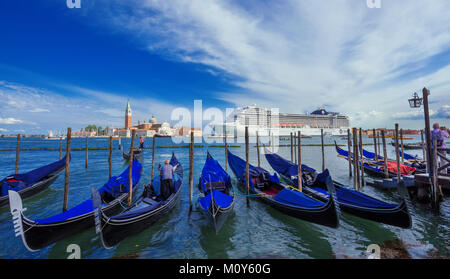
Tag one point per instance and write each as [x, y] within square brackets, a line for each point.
[166, 179]
[141, 142]
[440, 135]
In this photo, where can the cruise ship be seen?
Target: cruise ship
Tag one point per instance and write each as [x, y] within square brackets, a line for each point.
[270, 122]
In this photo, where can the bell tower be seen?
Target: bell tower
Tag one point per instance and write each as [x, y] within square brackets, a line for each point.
[128, 116]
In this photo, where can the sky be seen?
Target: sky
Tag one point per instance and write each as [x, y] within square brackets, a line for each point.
[62, 67]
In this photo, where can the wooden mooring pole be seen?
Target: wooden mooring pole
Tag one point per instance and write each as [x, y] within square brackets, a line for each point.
[300, 182]
[87, 151]
[429, 158]
[401, 138]
[349, 158]
[110, 157]
[436, 189]
[374, 133]
[295, 148]
[257, 149]
[17, 153]
[399, 175]
[130, 169]
[424, 152]
[153, 158]
[362, 157]
[386, 171]
[356, 178]
[60, 148]
[323, 150]
[66, 175]
[292, 150]
[191, 170]
[379, 143]
[120, 143]
[247, 178]
[226, 150]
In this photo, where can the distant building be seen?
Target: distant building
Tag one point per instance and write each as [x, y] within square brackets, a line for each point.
[82, 134]
[185, 131]
[143, 129]
[128, 116]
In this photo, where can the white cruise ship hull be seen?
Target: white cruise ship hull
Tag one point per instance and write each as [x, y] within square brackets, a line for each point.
[238, 130]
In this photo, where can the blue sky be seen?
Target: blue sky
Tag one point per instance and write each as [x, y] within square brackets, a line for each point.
[64, 67]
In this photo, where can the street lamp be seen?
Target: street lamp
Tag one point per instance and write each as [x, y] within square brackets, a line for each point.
[415, 102]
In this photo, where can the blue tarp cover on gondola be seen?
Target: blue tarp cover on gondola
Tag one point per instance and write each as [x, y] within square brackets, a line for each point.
[18, 182]
[345, 195]
[213, 172]
[353, 197]
[342, 152]
[371, 155]
[286, 168]
[238, 166]
[407, 156]
[350, 196]
[296, 198]
[221, 199]
[112, 187]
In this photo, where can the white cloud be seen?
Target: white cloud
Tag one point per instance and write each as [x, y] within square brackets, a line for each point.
[301, 54]
[10, 120]
[39, 110]
[78, 109]
[3, 130]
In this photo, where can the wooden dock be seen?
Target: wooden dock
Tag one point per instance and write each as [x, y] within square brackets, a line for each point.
[443, 180]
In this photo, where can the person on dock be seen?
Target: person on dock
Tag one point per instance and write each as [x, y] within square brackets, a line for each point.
[141, 142]
[440, 134]
[166, 179]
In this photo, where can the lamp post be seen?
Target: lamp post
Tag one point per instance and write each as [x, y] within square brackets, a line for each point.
[415, 102]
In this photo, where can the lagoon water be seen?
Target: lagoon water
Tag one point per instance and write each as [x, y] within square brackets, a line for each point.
[255, 232]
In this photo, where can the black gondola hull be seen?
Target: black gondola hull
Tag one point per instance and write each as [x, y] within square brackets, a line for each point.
[217, 216]
[33, 190]
[136, 155]
[326, 215]
[397, 216]
[113, 231]
[38, 236]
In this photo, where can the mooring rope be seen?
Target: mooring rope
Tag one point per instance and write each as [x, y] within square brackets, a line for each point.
[241, 194]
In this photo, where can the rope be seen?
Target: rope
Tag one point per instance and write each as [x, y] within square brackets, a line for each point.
[241, 194]
[124, 207]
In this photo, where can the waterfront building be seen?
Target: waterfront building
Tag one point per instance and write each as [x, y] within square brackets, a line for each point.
[143, 128]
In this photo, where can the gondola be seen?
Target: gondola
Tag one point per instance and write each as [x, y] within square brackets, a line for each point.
[149, 208]
[37, 234]
[409, 145]
[374, 169]
[32, 182]
[418, 165]
[351, 201]
[268, 189]
[137, 154]
[218, 204]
